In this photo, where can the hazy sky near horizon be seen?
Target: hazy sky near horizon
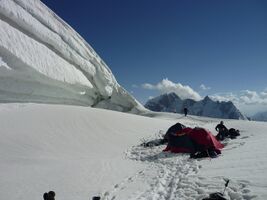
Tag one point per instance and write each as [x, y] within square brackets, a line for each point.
[192, 47]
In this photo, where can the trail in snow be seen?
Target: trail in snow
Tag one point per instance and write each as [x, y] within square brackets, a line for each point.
[172, 171]
[175, 176]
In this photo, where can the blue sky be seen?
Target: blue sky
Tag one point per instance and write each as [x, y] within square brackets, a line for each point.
[195, 48]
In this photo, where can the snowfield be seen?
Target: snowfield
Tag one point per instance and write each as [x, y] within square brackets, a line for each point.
[80, 152]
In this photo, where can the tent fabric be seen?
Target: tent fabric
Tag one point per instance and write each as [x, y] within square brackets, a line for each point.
[173, 130]
[176, 127]
[181, 143]
[205, 138]
[190, 140]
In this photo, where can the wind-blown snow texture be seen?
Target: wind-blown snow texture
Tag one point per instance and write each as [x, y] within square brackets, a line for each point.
[80, 152]
[207, 107]
[42, 59]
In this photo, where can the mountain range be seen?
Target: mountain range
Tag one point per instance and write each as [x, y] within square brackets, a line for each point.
[171, 102]
[260, 116]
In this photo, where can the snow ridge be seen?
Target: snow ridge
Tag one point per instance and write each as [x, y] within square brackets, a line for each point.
[49, 62]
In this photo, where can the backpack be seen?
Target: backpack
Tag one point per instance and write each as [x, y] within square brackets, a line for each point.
[204, 154]
[215, 196]
[233, 133]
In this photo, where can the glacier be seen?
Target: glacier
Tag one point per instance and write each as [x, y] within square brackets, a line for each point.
[43, 60]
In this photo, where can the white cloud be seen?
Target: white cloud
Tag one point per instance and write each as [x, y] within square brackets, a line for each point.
[167, 86]
[247, 101]
[203, 87]
[247, 97]
[149, 86]
[224, 97]
[134, 86]
[264, 94]
[253, 97]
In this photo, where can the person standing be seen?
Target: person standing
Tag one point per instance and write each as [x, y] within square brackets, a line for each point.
[223, 131]
[185, 111]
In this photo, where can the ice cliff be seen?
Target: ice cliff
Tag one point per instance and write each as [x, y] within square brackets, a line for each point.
[42, 59]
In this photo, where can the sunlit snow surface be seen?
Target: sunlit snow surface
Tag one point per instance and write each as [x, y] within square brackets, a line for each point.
[80, 152]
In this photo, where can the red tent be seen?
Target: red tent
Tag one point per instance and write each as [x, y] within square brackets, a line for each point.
[190, 140]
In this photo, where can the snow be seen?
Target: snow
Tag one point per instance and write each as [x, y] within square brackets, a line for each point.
[41, 49]
[80, 152]
[3, 64]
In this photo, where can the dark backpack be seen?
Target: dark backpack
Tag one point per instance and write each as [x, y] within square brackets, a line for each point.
[174, 129]
[204, 154]
[215, 196]
[233, 133]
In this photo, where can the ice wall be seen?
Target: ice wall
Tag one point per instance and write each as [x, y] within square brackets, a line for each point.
[42, 59]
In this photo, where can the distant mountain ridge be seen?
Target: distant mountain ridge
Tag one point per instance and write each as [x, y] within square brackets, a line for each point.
[171, 102]
[260, 116]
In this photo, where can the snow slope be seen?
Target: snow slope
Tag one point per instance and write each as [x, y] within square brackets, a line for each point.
[80, 152]
[42, 59]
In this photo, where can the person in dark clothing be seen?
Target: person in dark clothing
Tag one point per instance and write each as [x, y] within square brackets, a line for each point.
[185, 111]
[223, 131]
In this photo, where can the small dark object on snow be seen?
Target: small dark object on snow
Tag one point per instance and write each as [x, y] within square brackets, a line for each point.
[204, 154]
[156, 142]
[218, 195]
[226, 185]
[96, 198]
[45, 196]
[233, 133]
[215, 196]
[49, 196]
